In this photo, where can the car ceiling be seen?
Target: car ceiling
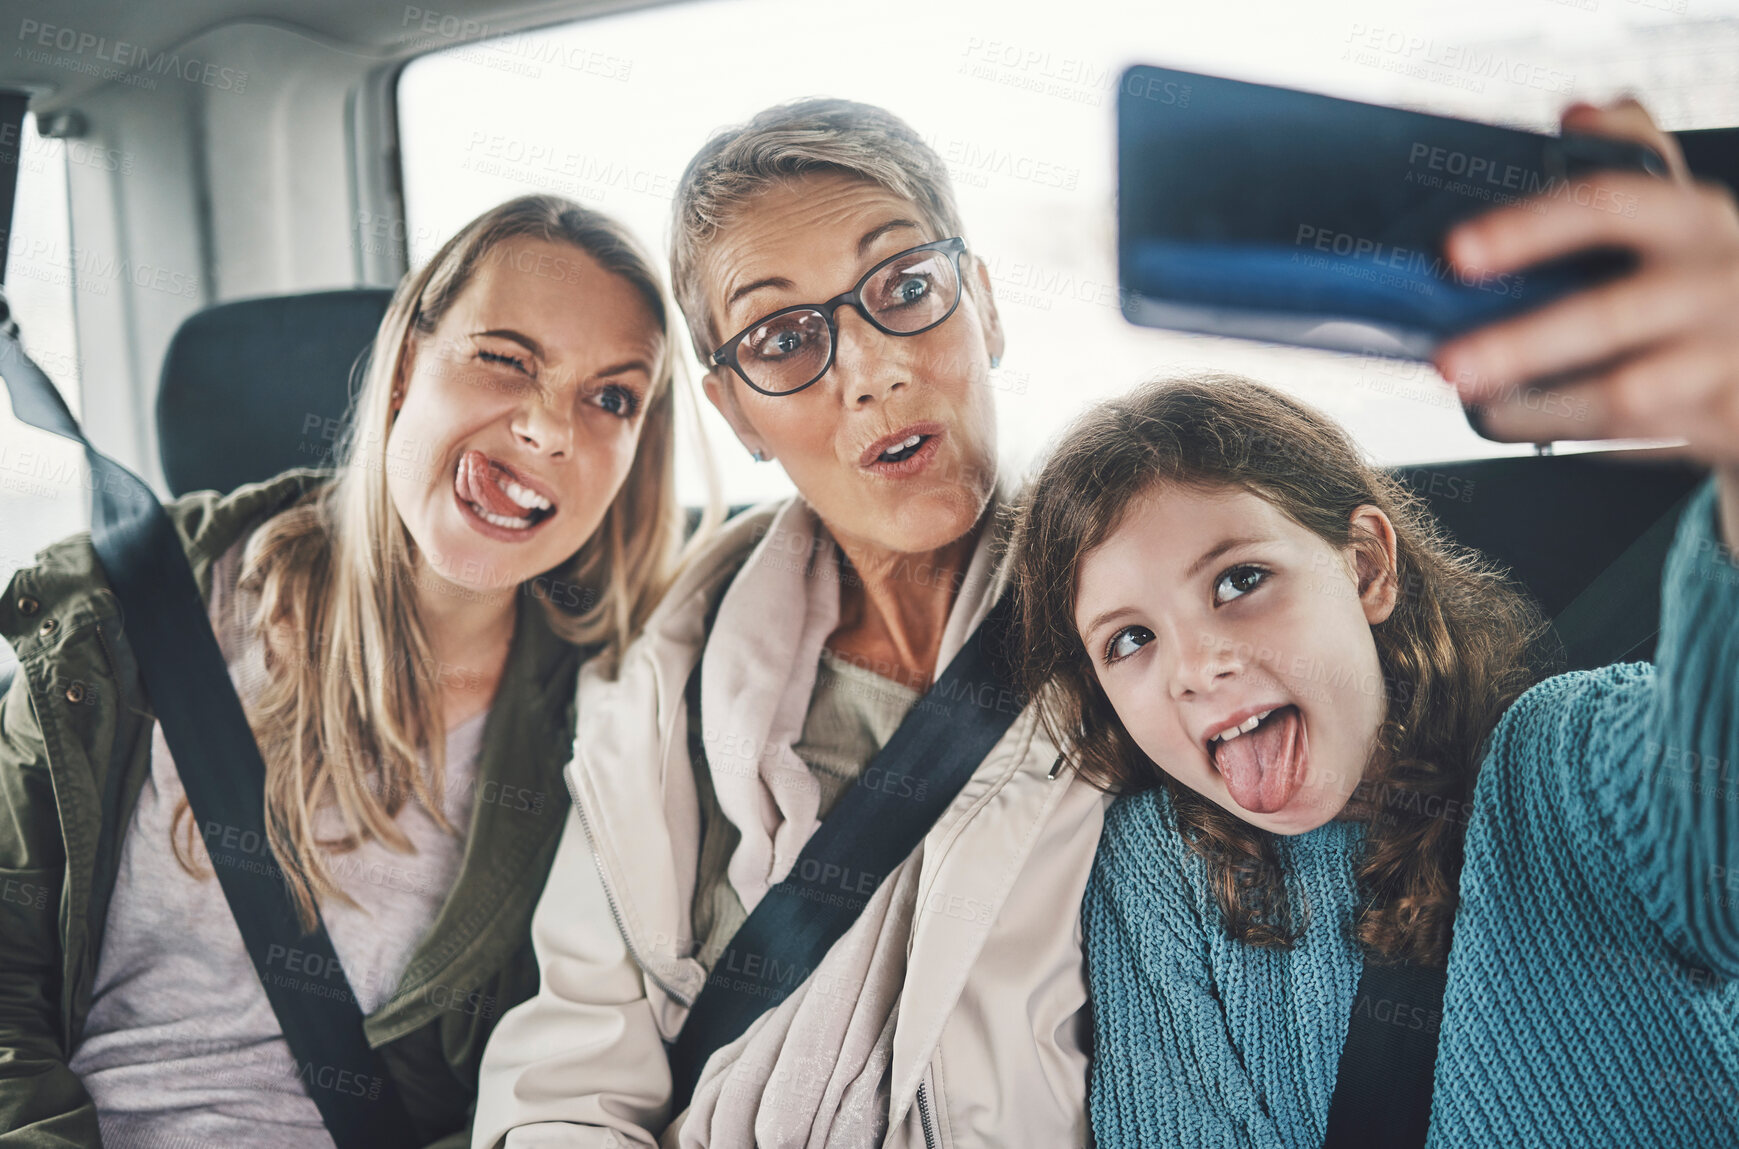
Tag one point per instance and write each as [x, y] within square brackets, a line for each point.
[386, 31]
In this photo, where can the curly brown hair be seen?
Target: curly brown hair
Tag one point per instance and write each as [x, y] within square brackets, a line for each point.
[1461, 644]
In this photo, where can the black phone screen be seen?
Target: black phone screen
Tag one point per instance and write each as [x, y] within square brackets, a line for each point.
[1239, 203]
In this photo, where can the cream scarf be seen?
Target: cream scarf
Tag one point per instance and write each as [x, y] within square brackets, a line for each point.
[814, 1071]
[758, 672]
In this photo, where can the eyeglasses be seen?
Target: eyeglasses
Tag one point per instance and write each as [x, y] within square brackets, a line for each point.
[905, 294]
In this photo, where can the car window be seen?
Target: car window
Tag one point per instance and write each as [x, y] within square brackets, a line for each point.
[42, 490]
[1019, 103]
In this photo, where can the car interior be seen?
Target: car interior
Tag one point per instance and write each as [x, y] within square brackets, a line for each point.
[227, 214]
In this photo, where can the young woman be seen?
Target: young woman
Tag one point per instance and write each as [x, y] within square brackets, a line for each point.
[405, 634]
[1313, 705]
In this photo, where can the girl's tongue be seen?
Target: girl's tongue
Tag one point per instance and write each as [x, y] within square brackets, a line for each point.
[1264, 768]
[476, 483]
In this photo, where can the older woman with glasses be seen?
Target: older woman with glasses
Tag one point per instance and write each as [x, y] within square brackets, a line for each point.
[746, 728]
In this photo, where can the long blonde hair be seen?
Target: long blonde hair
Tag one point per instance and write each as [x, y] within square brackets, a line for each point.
[348, 705]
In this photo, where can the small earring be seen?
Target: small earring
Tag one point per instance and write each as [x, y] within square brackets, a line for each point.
[995, 362]
[757, 456]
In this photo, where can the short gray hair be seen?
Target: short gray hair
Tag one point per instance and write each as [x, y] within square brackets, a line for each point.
[784, 142]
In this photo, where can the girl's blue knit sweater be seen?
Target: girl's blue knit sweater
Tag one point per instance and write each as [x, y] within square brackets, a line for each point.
[1593, 993]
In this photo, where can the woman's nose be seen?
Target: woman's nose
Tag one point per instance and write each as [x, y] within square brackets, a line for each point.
[545, 428]
[868, 367]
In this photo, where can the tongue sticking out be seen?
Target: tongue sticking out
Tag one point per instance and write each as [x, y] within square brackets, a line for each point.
[476, 483]
[1264, 768]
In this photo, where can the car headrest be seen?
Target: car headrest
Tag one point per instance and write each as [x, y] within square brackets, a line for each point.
[253, 388]
[1586, 534]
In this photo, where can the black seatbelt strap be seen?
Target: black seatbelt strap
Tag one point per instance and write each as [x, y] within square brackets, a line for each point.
[13, 106]
[224, 776]
[1382, 1089]
[871, 830]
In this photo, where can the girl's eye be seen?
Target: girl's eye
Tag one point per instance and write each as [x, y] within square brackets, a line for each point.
[619, 400]
[1237, 582]
[504, 359]
[1126, 642]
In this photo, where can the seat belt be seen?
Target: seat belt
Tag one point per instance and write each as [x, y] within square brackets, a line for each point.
[1388, 1064]
[869, 831]
[221, 769]
[13, 107]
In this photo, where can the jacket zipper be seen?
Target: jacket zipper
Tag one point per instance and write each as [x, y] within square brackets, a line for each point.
[610, 896]
[924, 1118]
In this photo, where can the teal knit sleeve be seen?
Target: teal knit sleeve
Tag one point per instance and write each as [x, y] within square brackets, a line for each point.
[1691, 747]
[1162, 1071]
[1639, 764]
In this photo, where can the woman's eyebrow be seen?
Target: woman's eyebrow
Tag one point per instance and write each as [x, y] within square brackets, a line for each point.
[524, 341]
[750, 288]
[875, 233]
[624, 368]
[863, 245]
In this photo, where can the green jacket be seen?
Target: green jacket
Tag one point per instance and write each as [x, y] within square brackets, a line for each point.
[75, 745]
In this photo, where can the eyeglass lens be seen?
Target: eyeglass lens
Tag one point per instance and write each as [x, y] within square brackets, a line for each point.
[912, 293]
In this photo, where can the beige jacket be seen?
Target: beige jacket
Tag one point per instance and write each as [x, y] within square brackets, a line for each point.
[991, 1025]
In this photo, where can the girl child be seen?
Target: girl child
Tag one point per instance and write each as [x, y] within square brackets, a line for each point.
[406, 634]
[1294, 679]
[1314, 707]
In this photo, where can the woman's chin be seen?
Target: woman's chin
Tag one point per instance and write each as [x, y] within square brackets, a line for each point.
[937, 518]
[921, 527]
[455, 565]
[463, 581]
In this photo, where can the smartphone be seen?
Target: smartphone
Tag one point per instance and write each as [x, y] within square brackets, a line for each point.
[1267, 213]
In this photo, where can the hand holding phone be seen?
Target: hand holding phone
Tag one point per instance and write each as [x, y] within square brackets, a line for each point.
[1653, 354]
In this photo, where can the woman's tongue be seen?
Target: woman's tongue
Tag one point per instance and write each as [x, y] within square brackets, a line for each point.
[1262, 768]
[476, 483]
